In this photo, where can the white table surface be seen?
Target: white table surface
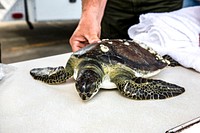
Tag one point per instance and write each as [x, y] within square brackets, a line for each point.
[30, 106]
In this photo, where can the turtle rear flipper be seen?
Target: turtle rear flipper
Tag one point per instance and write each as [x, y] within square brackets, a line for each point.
[173, 63]
[50, 75]
[145, 89]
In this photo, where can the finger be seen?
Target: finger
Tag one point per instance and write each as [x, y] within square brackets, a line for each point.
[93, 38]
[77, 44]
[75, 48]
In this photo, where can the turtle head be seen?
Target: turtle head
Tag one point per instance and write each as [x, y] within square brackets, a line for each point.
[88, 79]
[88, 83]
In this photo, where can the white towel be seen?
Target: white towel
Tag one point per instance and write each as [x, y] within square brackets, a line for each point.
[175, 33]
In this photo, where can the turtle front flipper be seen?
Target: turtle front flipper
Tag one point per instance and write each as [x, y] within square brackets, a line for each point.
[89, 79]
[54, 75]
[144, 89]
[51, 75]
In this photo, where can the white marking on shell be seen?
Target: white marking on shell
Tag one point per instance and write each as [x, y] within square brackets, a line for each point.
[105, 39]
[104, 48]
[99, 41]
[110, 42]
[126, 43]
[120, 40]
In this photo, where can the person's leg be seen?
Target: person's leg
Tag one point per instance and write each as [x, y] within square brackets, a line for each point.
[117, 17]
[121, 14]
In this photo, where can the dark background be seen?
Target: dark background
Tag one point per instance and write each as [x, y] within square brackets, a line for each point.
[19, 43]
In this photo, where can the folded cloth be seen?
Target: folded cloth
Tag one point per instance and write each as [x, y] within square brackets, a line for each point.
[173, 33]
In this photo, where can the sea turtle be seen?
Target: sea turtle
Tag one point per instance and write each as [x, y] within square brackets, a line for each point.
[126, 63]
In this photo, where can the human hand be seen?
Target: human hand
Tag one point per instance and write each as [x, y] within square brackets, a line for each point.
[87, 31]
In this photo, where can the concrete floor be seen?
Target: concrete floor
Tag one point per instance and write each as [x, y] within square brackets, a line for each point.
[19, 43]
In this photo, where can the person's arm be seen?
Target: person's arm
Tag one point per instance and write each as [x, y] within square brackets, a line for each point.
[89, 27]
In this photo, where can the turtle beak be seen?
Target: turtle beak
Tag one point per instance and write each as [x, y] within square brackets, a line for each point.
[85, 96]
[85, 91]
